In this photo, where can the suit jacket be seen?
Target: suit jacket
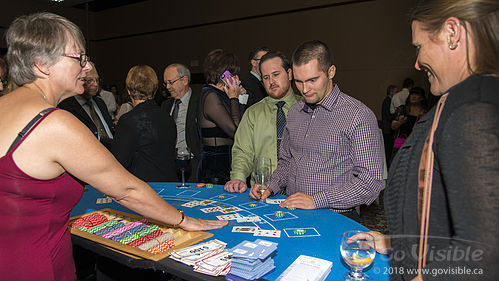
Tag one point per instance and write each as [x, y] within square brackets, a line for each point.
[386, 116]
[192, 137]
[255, 89]
[145, 141]
[72, 105]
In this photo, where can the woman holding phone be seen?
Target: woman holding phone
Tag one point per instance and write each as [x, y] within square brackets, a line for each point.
[219, 115]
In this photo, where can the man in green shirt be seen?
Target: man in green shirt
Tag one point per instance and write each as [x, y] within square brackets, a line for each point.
[256, 135]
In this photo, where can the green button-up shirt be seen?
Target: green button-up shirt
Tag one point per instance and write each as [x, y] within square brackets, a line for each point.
[256, 136]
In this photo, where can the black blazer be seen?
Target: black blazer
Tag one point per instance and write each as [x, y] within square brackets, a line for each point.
[255, 89]
[192, 137]
[145, 141]
[72, 105]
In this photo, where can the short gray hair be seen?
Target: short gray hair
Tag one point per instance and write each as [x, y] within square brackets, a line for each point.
[182, 70]
[38, 37]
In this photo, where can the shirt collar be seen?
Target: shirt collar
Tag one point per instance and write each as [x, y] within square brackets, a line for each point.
[256, 75]
[81, 100]
[291, 98]
[328, 102]
[185, 98]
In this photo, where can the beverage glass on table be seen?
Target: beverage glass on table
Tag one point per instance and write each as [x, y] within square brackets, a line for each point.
[182, 160]
[262, 172]
[357, 254]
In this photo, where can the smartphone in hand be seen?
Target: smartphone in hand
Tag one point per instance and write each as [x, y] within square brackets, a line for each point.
[226, 77]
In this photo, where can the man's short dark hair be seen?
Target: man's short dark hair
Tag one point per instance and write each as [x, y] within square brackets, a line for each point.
[255, 51]
[408, 83]
[270, 55]
[390, 89]
[311, 50]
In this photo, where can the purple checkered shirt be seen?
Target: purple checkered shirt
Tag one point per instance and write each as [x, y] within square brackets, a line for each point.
[332, 153]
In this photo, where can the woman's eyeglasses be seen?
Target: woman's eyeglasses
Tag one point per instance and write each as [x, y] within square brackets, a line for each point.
[82, 58]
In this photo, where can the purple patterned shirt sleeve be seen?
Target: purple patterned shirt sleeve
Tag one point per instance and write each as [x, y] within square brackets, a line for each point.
[332, 153]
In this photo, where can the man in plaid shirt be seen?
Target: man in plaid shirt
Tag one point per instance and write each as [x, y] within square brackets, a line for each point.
[330, 154]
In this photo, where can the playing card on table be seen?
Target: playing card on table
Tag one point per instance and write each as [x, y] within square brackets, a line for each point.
[192, 259]
[248, 219]
[246, 249]
[267, 246]
[199, 248]
[268, 233]
[244, 229]
[211, 209]
[206, 202]
[230, 210]
[191, 204]
[216, 262]
[274, 201]
[104, 200]
[229, 217]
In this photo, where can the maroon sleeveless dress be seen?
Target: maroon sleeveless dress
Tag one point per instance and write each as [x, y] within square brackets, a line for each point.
[35, 243]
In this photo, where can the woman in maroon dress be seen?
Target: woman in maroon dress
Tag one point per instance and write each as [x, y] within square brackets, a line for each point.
[46, 55]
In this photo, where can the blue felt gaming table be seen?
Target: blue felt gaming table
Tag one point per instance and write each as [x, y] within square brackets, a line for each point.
[324, 229]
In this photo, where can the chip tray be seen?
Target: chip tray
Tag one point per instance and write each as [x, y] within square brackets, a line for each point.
[182, 238]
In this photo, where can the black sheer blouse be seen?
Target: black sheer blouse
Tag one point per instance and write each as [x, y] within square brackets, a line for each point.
[218, 117]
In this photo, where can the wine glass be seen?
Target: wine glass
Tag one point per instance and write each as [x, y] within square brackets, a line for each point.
[182, 160]
[262, 172]
[357, 253]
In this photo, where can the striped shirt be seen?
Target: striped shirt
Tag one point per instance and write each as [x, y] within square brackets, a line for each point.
[332, 153]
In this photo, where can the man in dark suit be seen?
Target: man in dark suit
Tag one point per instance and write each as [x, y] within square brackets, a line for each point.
[182, 105]
[386, 122]
[253, 82]
[91, 109]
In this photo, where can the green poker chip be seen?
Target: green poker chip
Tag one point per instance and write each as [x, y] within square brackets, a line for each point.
[279, 214]
[253, 205]
[209, 185]
[221, 196]
[299, 231]
[291, 209]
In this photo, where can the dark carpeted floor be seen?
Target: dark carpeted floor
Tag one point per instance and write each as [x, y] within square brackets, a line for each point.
[373, 216]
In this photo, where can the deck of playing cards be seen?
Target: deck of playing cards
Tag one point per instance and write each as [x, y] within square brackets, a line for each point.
[251, 260]
[208, 258]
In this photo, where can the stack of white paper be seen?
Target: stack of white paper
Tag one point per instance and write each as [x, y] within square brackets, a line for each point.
[306, 268]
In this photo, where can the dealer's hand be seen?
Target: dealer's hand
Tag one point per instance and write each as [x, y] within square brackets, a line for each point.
[257, 195]
[193, 224]
[235, 186]
[299, 200]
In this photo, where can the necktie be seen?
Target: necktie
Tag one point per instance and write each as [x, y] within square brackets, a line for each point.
[175, 110]
[280, 124]
[98, 123]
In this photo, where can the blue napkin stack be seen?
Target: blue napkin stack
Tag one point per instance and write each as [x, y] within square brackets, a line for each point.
[251, 260]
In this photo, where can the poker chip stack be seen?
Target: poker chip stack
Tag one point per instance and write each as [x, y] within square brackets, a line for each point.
[251, 260]
[137, 234]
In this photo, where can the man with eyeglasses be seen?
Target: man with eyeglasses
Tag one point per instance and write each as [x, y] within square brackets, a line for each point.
[91, 110]
[253, 82]
[182, 105]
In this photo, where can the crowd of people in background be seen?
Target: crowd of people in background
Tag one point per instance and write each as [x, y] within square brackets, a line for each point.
[400, 111]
